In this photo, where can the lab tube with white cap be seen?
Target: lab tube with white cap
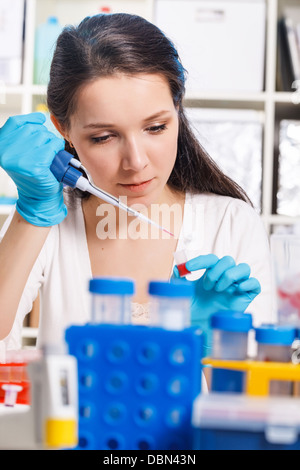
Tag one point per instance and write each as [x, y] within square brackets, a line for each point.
[170, 304]
[274, 344]
[111, 300]
[230, 330]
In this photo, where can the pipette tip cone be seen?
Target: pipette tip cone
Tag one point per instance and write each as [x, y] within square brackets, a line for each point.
[167, 231]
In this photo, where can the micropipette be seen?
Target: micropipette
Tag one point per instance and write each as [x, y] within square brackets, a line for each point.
[66, 170]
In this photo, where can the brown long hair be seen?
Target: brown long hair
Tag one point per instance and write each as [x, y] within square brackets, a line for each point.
[103, 45]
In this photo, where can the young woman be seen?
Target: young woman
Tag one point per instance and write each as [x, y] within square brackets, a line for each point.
[116, 96]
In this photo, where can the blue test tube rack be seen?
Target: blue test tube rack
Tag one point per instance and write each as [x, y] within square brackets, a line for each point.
[137, 385]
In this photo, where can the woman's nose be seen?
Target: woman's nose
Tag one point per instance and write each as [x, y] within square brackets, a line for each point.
[134, 155]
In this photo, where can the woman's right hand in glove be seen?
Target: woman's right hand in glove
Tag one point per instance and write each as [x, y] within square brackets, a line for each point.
[27, 150]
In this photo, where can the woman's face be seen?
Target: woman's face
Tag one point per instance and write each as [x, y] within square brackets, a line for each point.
[125, 131]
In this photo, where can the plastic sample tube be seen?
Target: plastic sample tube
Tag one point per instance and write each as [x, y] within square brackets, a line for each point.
[274, 344]
[230, 342]
[230, 334]
[111, 300]
[170, 304]
[180, 259]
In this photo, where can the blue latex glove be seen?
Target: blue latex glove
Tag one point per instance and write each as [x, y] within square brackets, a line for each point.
[27, 149]
[223, 286]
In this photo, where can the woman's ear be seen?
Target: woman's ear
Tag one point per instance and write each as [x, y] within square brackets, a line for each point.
[58, 126]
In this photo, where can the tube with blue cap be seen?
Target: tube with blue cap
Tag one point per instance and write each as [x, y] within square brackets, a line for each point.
[66, 170]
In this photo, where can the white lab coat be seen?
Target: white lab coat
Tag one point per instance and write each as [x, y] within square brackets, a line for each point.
[211, 224]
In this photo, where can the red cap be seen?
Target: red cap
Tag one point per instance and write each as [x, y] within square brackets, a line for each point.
[182, 269]
[105, 9]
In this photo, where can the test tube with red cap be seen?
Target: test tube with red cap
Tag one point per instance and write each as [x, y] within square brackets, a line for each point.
[105, 9]
[180, 258]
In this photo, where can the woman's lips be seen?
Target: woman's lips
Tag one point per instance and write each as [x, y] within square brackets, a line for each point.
[138, 186]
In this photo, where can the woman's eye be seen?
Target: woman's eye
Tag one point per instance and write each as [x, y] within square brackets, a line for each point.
[107, 137]
[102, 139]
[157, 129]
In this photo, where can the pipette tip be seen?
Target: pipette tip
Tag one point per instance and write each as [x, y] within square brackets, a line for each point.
[167, 231]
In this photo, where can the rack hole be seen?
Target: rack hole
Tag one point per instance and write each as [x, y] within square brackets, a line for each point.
[149, 352]
[145, 414]
[112, 443]
[115, 413]
[147, 383]
[144, 445]
[87, 349]
[85, 411]
[86, 441]
[118, 352]
[177, 386]
[176, 445]
[179, 355]
[82, 442]
[87, 380]
[116, 382]
[175, 416]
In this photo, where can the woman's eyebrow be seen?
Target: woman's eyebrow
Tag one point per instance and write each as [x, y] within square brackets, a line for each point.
[157, 115]
[102, 125]
[97, 125]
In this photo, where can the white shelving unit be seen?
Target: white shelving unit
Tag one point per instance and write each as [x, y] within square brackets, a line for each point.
[23, 98]
[267, 101]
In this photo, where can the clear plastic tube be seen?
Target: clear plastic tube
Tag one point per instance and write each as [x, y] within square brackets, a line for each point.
[230, 342]
[230, 335]
[111, 300]
[274, 344]
[170, 304]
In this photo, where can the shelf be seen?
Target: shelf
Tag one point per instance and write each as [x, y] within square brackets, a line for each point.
[286, 97]
[29, 337]
[39, 89]
[280, 97]
[243, 97]
[21, 89]
[12, 89]
[262, 97]
[277, 219]
[29, 332]
[5, 209]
